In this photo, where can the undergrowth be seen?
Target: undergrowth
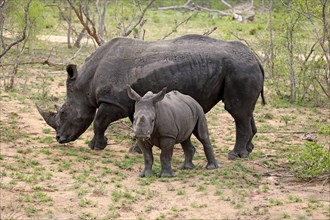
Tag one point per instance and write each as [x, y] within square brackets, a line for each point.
[309, 161]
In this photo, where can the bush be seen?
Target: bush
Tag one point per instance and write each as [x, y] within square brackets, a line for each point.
[310, 161]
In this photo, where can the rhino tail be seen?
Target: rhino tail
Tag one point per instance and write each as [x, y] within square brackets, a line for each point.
[263, 100]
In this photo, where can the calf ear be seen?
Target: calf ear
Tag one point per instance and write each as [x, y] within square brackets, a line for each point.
[159, 96]
[72, 71]
[132, 94]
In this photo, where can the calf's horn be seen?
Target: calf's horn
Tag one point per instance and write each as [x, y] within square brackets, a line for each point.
[48, 116]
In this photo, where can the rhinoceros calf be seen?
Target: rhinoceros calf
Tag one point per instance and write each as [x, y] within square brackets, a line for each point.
[207, 69]
[167, 120]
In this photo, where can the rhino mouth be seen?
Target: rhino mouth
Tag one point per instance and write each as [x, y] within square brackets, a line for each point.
[142, 136]
[62, 140]
[65, 139]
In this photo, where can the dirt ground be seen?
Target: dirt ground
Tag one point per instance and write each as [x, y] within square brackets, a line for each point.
[41, 179]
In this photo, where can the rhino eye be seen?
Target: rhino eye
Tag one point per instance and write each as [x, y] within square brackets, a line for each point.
[62, 115]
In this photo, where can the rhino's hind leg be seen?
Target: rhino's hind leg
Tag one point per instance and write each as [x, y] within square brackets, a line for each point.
[250, 145]
[202, 134]
[189, 151]
[243, 136]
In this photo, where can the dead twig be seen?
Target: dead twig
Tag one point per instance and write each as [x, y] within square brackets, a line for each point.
[177, 25]
[140, 19]
[207, 33]
[81, 14]
[126, 30]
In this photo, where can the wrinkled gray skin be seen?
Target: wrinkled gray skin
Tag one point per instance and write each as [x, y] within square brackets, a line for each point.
[207, 69]
[167, 120]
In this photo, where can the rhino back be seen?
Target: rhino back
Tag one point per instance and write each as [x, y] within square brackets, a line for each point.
[193, 64]
[176, 116]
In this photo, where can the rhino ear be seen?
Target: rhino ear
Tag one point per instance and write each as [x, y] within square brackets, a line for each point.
[72, 71]
[159, 96]
[132, 94]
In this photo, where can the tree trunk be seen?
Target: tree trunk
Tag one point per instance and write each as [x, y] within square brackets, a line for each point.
[101, 17]
[69, 26]
[290, 47]
[2, 23]
[80, 37]
[271, 43]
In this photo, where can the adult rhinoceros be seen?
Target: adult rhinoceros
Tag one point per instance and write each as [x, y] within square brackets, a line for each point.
[207, 69]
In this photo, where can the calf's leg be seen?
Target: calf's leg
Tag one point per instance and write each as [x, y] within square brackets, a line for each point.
[189, 151]
[166, 146]
[135, 148]
[148, 157]
[202, 134]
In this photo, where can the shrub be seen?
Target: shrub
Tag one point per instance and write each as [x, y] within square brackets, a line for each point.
[310, 161]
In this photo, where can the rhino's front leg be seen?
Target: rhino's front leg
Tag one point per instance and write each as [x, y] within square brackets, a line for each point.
[106, 114]
[148, 157]
[166, 146]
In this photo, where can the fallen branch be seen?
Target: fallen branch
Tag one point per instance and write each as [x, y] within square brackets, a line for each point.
[45, 62]
[184, 6]
[42, 62]
[200, 8]
[189, 5]
[278, 174]
[288, 132]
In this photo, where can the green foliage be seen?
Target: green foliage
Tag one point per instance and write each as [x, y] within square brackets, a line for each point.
[15, 16]
[323, 129]
[310, 161]
[296, 25]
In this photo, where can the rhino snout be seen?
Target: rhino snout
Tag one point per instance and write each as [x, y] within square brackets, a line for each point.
[139, 134]
[142, 136]
[62, 139]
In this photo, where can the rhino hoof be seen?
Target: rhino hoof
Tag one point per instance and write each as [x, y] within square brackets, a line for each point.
[167, 174]
[186, 166]
[233, 155]
[135, 149]
[212, 166]
[250, 147]
[146, 173]
[98, 144]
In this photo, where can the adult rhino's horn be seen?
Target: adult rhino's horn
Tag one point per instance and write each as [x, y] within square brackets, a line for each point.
[48, 116]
